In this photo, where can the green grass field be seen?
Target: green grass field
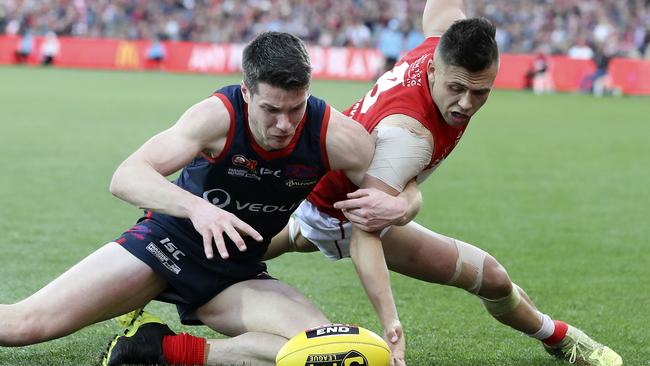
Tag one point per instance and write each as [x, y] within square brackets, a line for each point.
[555, 187]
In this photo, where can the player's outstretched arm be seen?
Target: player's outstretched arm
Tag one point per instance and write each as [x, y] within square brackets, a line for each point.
[439, 15]
[140, 179]
[351, 149]
[368, 257]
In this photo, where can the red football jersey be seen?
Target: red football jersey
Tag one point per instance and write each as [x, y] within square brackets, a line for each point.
[402, 90]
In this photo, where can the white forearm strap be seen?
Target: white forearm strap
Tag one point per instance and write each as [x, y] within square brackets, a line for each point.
[399, 156]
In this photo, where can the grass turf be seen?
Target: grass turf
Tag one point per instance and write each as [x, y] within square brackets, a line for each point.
[554, 186]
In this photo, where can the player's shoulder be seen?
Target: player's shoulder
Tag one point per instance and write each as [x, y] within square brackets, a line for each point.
[206, 120]
[408, 123]
[348, 143]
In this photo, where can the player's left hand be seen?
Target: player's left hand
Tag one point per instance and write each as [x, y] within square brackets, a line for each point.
[394, 336]
[371, 209]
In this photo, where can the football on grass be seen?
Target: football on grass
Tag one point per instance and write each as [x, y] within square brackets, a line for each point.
[335, 345]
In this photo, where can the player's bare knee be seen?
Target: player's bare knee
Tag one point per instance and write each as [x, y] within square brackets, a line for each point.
[499, 295]
[496, 282]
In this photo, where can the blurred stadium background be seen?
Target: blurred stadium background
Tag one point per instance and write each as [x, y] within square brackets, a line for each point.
[555, 185]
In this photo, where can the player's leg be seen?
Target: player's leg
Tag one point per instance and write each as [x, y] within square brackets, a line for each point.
[107, 283]
[420, 253]
[259, 315]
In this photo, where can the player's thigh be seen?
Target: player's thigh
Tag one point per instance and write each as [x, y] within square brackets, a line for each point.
[418, 252]
[107, 283]
[266, 306]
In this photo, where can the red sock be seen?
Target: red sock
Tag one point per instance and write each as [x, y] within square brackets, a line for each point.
[559, 333]
[184, 349]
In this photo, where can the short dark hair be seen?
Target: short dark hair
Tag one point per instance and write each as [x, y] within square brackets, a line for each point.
[470, 44]
[278, 59]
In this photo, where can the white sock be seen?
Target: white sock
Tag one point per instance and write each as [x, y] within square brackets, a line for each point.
[547, 329]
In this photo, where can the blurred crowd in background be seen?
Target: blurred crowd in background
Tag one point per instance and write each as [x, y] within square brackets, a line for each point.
[578, 28]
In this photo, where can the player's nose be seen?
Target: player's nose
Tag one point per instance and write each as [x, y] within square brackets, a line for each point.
[465, 101]
[283, 123]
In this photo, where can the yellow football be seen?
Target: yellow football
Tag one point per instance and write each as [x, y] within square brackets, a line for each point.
[335, 345]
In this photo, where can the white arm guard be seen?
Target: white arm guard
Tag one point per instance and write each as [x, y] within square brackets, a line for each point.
[400, 155]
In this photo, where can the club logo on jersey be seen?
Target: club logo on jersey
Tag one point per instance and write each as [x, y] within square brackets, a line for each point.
[241, 160]
[250, 169]
[221, 199]
[351, 358]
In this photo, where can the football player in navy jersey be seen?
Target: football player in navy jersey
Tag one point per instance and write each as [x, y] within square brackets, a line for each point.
[249, 155]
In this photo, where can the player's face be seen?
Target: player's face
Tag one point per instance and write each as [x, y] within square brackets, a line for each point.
[274, 114]
[459, 93]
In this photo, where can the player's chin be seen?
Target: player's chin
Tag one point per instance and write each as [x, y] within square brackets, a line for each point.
[279, 142]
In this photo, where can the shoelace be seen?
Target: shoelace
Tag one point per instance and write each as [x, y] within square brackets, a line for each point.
[580, 347]
[574, 352]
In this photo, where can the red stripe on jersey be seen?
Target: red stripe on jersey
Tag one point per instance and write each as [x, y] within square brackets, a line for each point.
[231, 131]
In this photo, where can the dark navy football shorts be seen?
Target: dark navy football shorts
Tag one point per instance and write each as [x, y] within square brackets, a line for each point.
[192, 279]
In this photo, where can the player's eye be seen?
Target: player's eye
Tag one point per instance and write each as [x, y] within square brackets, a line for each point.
[456, 88]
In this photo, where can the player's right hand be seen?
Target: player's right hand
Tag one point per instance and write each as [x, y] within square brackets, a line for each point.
[212, 222]
[394, 336]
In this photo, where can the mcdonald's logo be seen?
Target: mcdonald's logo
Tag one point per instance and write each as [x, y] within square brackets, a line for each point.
[127, 56]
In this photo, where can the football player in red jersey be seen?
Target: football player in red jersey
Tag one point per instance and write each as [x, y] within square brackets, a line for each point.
[417, 113]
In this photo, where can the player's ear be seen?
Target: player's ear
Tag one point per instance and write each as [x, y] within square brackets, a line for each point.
[431, 72]
[244, 92]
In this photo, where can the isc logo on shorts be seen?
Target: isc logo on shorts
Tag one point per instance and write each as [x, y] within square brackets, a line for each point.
[163, 258]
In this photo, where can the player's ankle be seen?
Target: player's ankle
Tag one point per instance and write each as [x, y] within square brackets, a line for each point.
[558, 334]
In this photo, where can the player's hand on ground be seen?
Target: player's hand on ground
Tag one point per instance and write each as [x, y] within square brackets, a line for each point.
[371, 209]
[394, 336]
[212, 223]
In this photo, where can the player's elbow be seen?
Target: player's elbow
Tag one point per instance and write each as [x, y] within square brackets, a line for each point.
[117, 187]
